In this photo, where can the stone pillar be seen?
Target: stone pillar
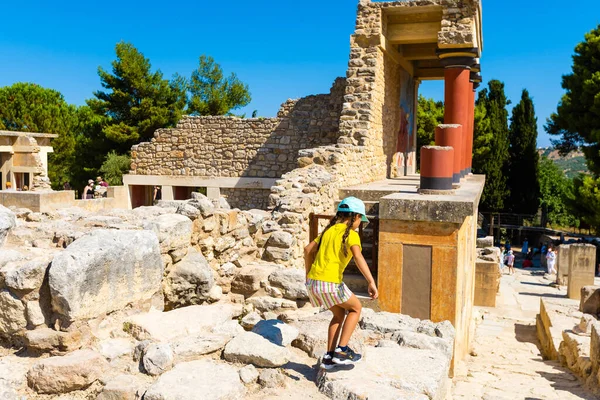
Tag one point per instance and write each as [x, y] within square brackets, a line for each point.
[213, 192]
[452, 136]
[458, 91]
[436, 168]
[582, 260]
[167, 193]
[562, 264]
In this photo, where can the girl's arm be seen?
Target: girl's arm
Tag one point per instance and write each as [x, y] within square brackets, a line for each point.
[308, 256]
[364, 269]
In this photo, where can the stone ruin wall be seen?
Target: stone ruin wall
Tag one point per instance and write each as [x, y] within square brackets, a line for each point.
[354, 144]
[235, 147]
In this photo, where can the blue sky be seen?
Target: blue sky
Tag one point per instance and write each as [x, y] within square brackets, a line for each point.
[281, 49]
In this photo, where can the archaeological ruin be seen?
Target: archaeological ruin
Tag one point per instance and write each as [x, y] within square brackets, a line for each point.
[138, 296]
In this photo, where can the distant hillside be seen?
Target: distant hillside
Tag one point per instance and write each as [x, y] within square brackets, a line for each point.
[572, 165]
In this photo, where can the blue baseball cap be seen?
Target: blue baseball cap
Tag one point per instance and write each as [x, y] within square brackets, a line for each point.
[352, 204]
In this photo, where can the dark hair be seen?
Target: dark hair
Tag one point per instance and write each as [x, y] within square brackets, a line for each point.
[340, 216]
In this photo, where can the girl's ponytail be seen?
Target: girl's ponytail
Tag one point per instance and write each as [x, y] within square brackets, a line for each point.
[347, 233]
[332, 222]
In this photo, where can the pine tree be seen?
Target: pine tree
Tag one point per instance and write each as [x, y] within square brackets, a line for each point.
[577, 119]
[138, 101]
[494, 165]
[523, 158]
[28, 107]
[213, 94]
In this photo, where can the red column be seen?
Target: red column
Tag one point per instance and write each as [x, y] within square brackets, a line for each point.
[452, 136]
[436, 168]
[457, 93]
[471, 130]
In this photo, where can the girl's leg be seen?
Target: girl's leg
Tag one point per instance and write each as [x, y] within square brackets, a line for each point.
[335, 327]
[354, 308]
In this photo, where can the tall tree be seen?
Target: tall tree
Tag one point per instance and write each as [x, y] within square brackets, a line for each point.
[555, 195]
[494, 165]
[523, 158]
[211, 93]
[429, 115]
[137, 102]
[577, 119]
[28, 107]
[482, 139]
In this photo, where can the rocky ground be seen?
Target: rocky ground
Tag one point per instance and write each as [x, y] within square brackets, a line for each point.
[183, 302]
[506, 362]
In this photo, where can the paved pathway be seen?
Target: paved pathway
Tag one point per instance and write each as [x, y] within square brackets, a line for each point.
[506, 363]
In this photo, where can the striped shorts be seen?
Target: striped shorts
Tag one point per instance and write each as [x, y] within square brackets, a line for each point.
[327, 294]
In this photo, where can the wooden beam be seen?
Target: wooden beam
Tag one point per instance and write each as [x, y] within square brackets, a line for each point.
[414, 33]
[404, 10]
[425, 74]
[414, 52]
[391, 51]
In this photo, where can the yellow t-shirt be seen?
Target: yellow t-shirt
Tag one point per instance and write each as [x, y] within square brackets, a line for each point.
[330, 261]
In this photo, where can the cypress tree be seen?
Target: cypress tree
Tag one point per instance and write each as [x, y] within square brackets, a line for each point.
[491, 138]
[523, 158]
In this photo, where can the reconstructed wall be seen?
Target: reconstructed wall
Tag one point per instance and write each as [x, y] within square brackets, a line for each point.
[247, 199]
[235, 147]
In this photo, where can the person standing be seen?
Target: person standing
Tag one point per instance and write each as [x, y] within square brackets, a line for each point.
[332, 251]
[525, 248]
[88, 191]
[502, 258]
[551, 261]
[510, 260]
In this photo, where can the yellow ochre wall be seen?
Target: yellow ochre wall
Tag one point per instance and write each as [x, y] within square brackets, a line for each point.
[452, 272]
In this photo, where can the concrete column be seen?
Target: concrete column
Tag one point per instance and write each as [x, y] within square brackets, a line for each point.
[167, 192]
[457, 103]
[452, 136]
[213, 192]
[458, 91]
[436, 168]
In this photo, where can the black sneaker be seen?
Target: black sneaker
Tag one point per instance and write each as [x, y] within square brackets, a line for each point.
[327, 362]
[346, 357]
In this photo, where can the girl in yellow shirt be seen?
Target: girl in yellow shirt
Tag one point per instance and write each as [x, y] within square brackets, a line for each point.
[332, 252]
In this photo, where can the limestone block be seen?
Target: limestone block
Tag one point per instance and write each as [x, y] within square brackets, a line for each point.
[487, 283]
[111, 349]
[248, 280]
[52, 341]
[590, 300]
[265, 304]
[562, 264]
[277, 254]
[105, 271]
[12, 314]
[189, 281]
[276, 332]
[292, 282]
[487, 241]
[248, 374]
[174, 231]
[391, 373]
[25, 276]
[158, 358]
[65, 374]
[250, 320]
[8, 220]
[124, 387]
[281, 239]
[214, 380]
[271, 378]
[34, 314]
[7, 256]
[191, 348]
[582, 270]
[187, 321]
[385, 322]
[251, 348]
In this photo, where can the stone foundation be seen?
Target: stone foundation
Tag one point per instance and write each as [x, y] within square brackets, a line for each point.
[247, 199]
